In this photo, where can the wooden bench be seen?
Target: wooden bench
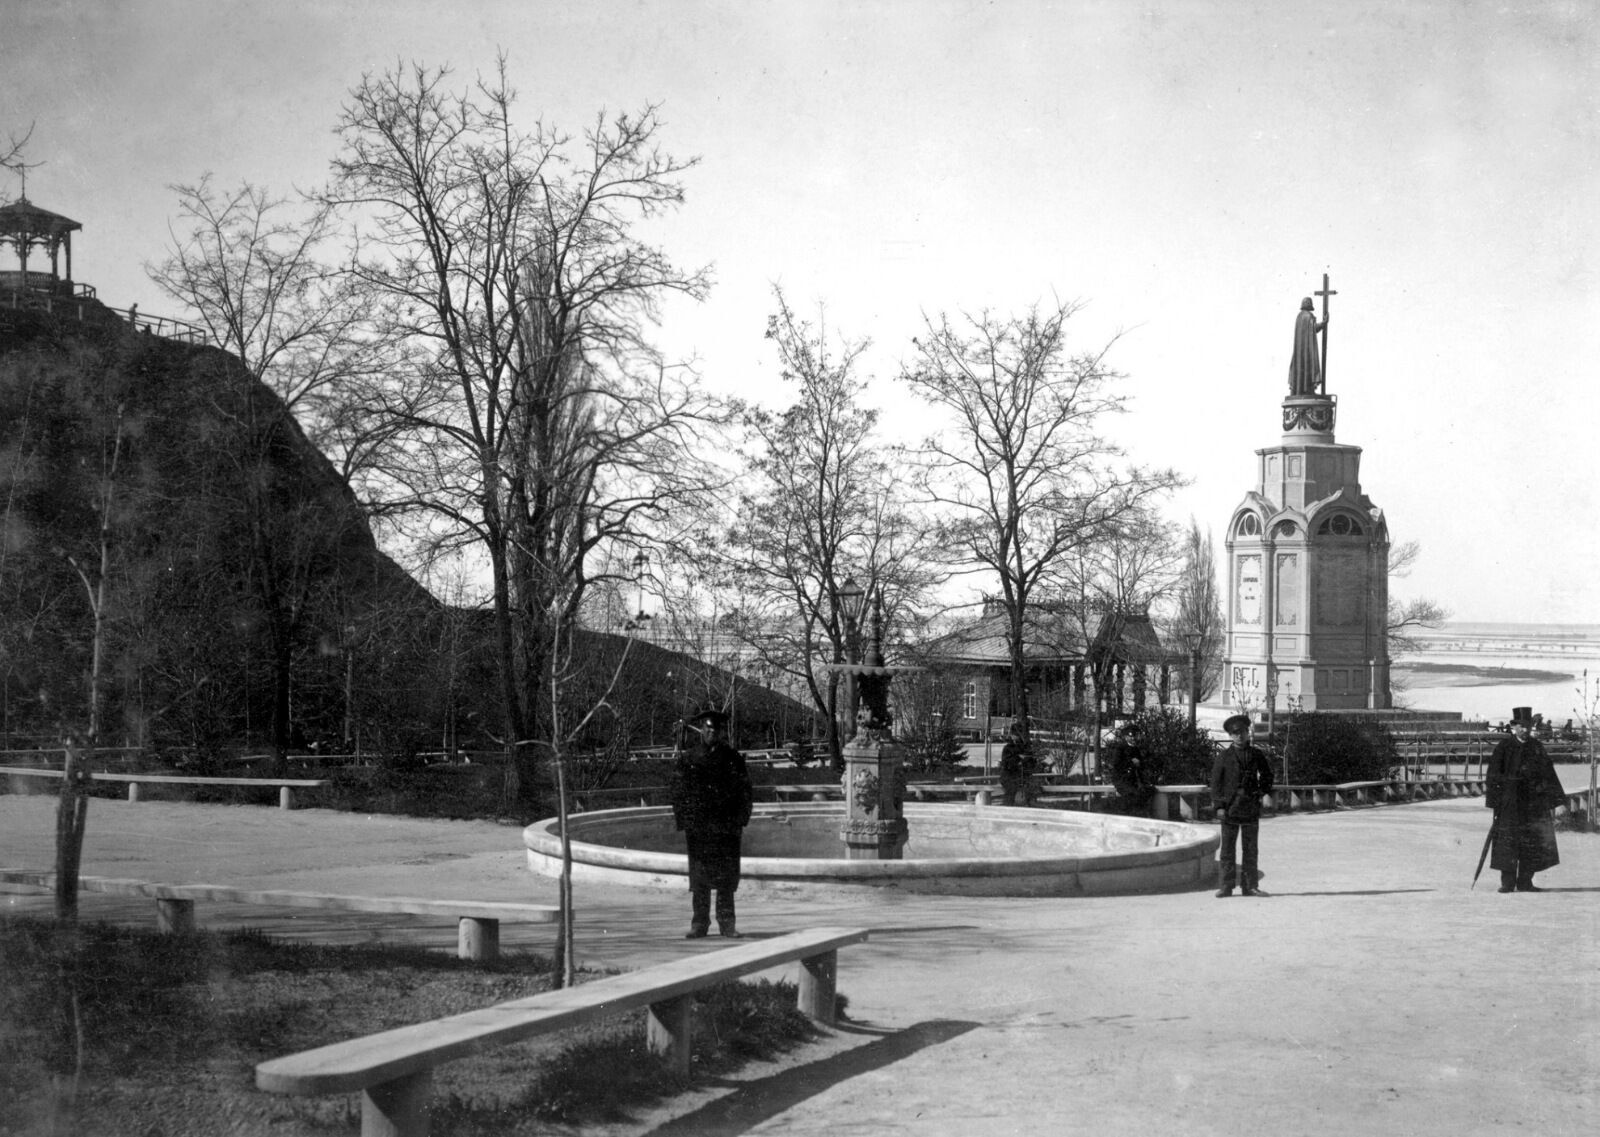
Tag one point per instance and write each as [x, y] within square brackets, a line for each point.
[1184, 800]
[478, 921]
[820, 791]
[1084, 797]
[393, 1070]
[134, 781]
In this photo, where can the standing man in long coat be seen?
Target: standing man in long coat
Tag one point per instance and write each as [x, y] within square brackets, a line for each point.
[1240, 778]
[1522, 790]
[711, 802]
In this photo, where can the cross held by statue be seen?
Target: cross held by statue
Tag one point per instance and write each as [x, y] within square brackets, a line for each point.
[1325, 292]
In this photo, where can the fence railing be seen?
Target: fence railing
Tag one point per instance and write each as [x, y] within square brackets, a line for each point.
[73, 306]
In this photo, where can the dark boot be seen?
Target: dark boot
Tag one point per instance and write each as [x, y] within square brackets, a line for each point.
[1508, 882]
[726, 922]
[700, 913]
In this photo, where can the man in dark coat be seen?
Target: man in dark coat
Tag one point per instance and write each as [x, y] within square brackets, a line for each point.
[1017, 766]
[1522, 790]
[1240, 778]
[1134, 772]
[711, 802]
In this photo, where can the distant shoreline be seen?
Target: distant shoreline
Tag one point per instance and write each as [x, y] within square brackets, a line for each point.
[1424, 673]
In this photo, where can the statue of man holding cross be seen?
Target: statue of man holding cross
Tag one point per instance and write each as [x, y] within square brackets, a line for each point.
[1308, 365]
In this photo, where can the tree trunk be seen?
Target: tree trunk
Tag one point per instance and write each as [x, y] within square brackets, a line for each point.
[72, 811]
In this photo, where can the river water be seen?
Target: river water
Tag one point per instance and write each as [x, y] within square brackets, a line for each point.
[1485, 670]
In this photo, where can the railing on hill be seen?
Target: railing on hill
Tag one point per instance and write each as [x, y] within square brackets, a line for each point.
[72, 305]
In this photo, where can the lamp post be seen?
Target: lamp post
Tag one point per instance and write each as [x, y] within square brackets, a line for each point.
[853, 597]
[349, 687]
[1272, 701]
[1192, 641]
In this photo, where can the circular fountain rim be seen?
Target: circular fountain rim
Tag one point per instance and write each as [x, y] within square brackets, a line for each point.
[1189, 842]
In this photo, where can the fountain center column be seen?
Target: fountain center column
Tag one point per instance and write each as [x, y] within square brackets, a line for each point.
[874, 785]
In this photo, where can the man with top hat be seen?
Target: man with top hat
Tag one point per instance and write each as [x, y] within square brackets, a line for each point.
[1240, 778]
[1522, 788]
[711, 802]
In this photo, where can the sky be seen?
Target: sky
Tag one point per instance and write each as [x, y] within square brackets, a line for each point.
[1187, 171]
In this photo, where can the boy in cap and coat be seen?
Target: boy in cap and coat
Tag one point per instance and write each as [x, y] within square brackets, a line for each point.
[711, 802]
[1240, 777]
[1522, 788]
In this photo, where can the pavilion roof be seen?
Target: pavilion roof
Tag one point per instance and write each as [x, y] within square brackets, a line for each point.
[983, 641]
[24, 217]
[1130, 638]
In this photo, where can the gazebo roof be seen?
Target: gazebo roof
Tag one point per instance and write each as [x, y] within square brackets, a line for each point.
[23, 218]
[1130, 638]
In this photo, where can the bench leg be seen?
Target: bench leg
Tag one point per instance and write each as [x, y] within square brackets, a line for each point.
[284, 798]
[133, 791]
[175, 917]
[477, 938]
[819, 976]
[398, 1108]
[669, 1032]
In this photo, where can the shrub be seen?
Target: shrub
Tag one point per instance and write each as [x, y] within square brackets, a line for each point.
[1326, 749]
[933, 749]
[1185, 753]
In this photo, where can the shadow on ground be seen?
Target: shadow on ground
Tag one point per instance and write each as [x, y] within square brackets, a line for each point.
[755, 1102]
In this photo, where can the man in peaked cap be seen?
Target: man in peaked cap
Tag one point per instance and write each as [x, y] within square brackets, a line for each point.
[1240, 778]
[711, 802]
[1522, 788]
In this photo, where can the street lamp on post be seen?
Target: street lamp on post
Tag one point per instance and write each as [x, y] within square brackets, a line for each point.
[1272, 701]
[853, 597]
[1192, 641]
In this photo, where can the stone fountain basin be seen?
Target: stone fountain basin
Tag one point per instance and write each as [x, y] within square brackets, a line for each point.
[964, 850]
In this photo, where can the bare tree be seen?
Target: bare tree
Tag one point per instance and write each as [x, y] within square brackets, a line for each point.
[72, 808]
[257, 270]
[820, 507]
[11, 154]
[1407, 617]
[539, 423]
[1023, 476]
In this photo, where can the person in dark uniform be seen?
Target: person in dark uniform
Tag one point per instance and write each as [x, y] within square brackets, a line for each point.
[1134, 772]
[1522, 789]
[1240, 777]
[711, 802]
[1017, 766]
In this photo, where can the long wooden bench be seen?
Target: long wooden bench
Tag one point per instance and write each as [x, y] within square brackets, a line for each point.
[1083, 796]
[393, 1070]
[477, 929]
[134, 781]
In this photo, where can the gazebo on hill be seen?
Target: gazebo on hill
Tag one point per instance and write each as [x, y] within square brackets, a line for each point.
[26, 227]
[34, 234]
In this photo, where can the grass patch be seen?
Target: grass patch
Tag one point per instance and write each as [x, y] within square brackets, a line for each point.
[169, 1029]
